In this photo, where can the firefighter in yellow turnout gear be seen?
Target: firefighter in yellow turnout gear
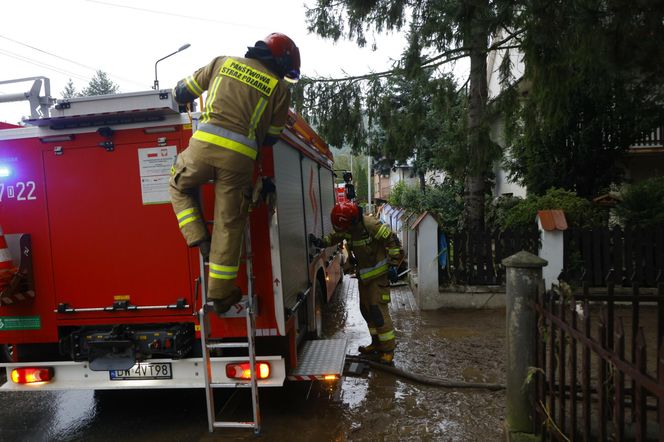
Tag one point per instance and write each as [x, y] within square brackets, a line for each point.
[246, 107]
[378, 252]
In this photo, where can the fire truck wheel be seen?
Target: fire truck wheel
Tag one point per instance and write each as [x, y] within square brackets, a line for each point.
[318, 311]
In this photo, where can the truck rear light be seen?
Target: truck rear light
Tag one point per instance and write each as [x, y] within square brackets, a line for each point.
[31, 375]
[241, 370]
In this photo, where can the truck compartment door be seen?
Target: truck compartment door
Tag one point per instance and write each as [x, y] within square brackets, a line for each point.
[292, 225]
[112, 239]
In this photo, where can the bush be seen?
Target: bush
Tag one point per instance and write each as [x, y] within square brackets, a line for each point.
[579, 212]
[444, 201]
[643, 203]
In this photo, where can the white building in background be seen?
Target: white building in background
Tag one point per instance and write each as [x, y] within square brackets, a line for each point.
[503, 185]
[383, 184]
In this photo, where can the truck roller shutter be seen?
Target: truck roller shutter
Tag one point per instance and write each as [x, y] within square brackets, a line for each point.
[291, 221]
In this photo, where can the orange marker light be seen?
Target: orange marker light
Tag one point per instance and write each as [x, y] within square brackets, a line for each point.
[330, 377]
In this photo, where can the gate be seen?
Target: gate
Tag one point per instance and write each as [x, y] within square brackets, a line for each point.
[600, 363]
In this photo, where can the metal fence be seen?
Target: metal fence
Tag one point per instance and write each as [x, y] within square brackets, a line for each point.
[600, 363]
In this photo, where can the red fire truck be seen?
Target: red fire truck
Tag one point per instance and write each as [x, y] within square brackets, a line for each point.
[109, 295]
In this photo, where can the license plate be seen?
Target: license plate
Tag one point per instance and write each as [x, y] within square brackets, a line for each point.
[143, 371]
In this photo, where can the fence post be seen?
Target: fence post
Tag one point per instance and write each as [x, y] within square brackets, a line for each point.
[523, 276]
[552, 224]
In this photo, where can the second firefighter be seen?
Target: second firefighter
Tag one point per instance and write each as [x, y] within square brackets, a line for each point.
[377, 252]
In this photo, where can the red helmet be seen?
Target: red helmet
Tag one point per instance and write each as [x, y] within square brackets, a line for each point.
[344, 215]
[286, 55]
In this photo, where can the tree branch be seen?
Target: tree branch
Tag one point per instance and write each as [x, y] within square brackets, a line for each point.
[462, 51]
[512, 35]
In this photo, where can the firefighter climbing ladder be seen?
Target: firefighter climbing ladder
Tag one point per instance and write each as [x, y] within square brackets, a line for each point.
[206, 346]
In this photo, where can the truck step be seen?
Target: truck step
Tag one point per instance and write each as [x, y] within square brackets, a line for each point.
[320, 360]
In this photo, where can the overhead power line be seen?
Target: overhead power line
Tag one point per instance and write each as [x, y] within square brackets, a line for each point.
[172, 14]
[47, 53]
[61, 70]
[43, 65]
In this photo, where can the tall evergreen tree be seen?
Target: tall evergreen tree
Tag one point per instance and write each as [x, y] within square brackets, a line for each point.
[451, 29]
[100, 84]
[595, 82]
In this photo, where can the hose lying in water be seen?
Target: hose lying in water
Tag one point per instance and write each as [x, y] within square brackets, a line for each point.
[423, 379]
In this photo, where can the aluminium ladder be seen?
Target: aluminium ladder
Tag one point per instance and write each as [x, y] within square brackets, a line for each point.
[250, 345]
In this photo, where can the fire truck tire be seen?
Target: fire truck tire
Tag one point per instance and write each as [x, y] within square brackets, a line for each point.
[319, 300]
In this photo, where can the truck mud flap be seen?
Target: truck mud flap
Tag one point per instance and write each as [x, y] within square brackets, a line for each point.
[320, 360]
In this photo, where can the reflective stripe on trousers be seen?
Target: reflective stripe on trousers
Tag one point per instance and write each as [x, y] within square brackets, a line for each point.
[223, 272]
[187, 216]
[387, 336]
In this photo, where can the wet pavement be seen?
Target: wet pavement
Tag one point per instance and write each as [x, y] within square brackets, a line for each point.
[458, 345]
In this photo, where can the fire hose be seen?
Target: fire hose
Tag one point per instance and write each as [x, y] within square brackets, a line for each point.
[424, 379]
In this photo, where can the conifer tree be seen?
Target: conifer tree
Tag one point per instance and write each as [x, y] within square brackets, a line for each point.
[100, 84]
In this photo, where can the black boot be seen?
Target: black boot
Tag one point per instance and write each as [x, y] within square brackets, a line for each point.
[371, 348]
[222, 305]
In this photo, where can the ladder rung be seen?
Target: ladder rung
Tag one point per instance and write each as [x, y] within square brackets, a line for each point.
[228, 345]
[218, 424]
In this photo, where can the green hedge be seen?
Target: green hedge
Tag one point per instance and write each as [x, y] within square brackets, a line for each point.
[579, 212]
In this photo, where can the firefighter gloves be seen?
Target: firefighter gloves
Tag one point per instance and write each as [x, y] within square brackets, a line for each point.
[204, 246]
[318, 242]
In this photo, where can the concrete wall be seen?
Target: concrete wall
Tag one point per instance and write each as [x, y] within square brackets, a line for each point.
[427, 293]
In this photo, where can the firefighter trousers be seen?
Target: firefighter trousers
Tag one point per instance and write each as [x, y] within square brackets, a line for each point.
[231, 206]
[374, 306]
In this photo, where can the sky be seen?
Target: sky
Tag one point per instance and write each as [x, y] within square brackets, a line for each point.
[66, 39]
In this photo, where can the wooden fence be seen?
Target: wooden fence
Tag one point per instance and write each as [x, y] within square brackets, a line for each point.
[600, 364]
[475, 257]
[632, 255]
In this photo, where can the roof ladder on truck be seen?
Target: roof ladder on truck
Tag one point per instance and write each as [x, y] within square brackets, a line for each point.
[250, 312]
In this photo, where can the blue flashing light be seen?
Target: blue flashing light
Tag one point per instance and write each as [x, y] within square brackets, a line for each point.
[5, 171]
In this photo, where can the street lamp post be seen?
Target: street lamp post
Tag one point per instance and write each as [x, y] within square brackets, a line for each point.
[156, 82]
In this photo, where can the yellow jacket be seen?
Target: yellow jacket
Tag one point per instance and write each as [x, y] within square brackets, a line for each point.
[374, 245]
[245, 103]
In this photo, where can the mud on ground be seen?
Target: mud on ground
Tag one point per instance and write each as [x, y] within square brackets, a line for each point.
[459, 345]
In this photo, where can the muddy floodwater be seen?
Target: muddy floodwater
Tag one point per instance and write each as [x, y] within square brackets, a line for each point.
[459, 345]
